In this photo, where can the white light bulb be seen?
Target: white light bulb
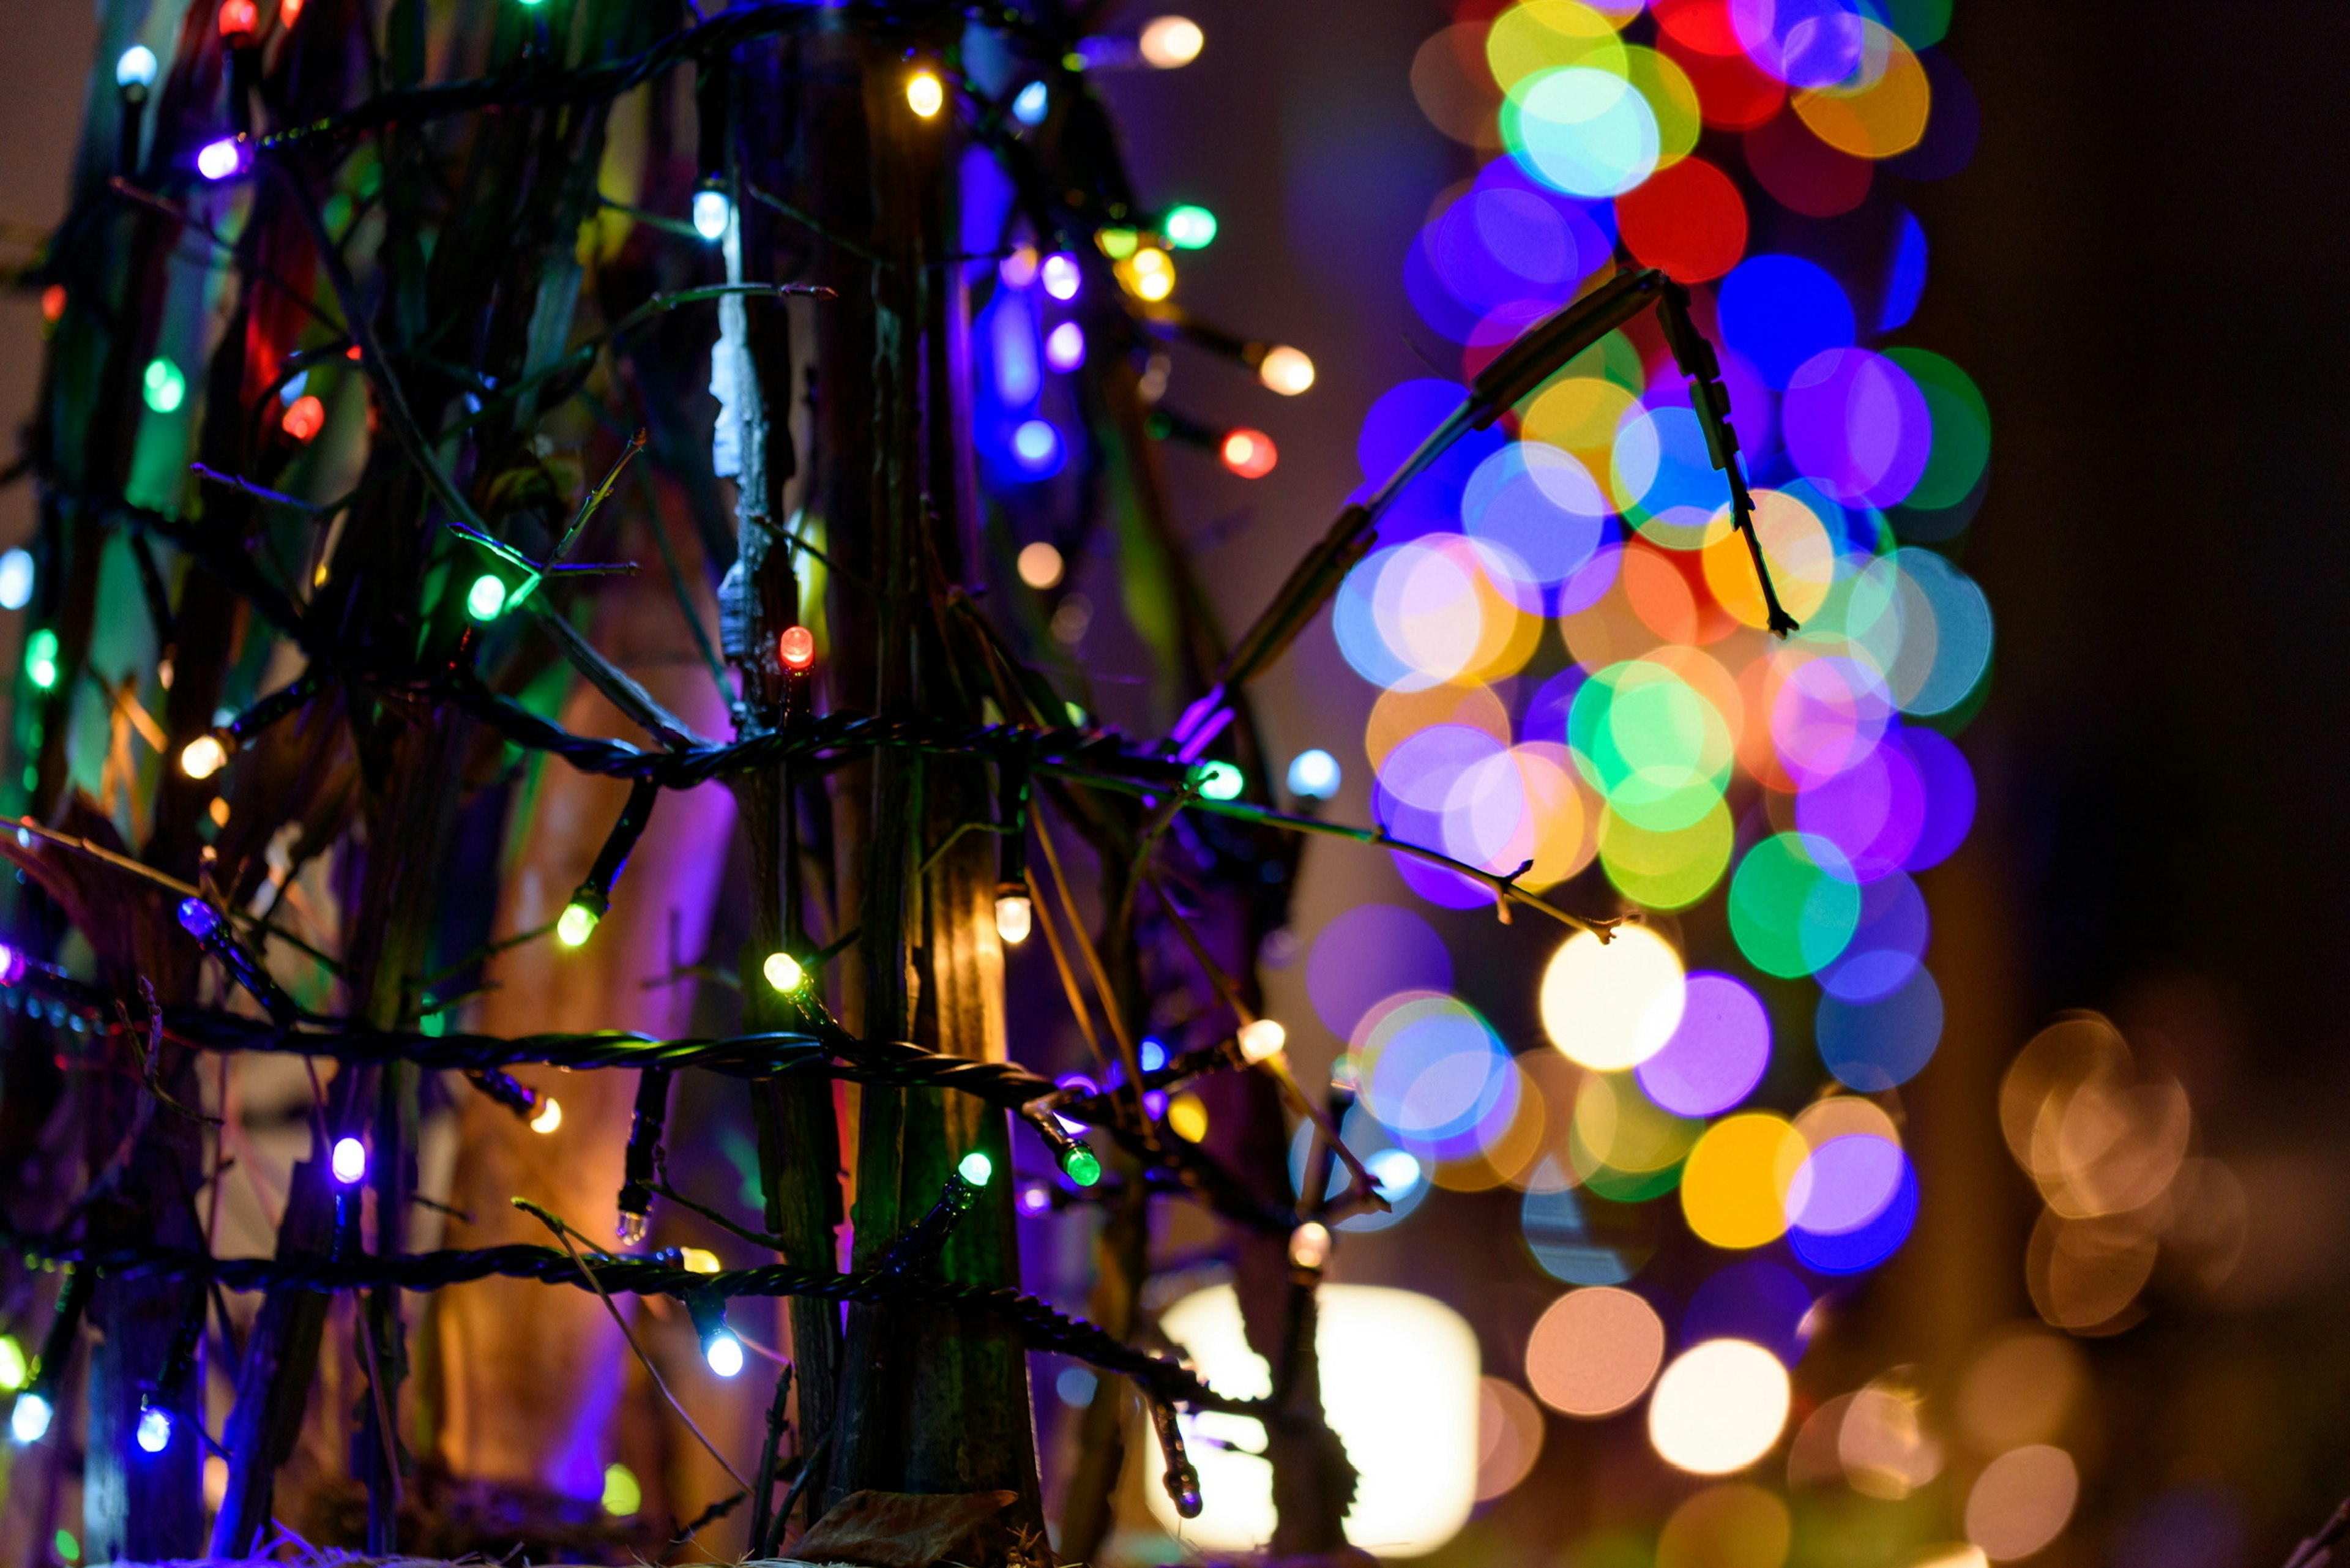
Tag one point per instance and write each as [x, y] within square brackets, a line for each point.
[1012, 918]
[712, 213]
[154, 1429]
[1263, 1039]
[1309, 1245]
[135, 66]
[350, 1161]
[1287, 370]
[1030, 107]
[550, 1118]
[29, 1421]
[1167, 42]
[15, 579]
[1060, 275]
[202, 757]
[1313, 775]
[724, 1352]
[219, 160]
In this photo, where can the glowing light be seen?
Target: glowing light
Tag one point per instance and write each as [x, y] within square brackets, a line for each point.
[350, 1161]
[304, 419]
[698, 1261]
[41, 658]
[1167, 42]
[154, 1429]
[575, 925]
[1314, 774]
[1261, 1039]
[219, 160]
[29, 1421]
[796, 648]
[1509, 1436]
[976, 1168]
[1595, 1351]
[2022, 1502]
[238, 20]
[550, 1118]
[723, 1352]
[202, 757]
[1082, 1166]
[1719, 1407]
[1151, 274]
[783, 972]
[1612, 1006]
[1220, 780]
[1014, 916]
[1060, 275]
[1735, 1188]
[1189, 227]
[1187, 1116]
[1031, 105]
[1018, 270]
[135, 66]
[925, 94]
[198, 919]
[1065, 346]
[1402, 1393]
[1287, 370]
[1036, 444]
[1040, 565]
[713, 211]
[13, 1369]
[1249, 453]
[622, 1493]
[53, 304]
[1735, 1525]
[487, 597]
[1309, 1245]
[164, 387]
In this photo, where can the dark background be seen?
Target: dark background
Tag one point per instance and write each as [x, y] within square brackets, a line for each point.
[2144, 269]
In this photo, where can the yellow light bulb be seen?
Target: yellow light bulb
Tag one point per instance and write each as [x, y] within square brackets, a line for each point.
[1263, 1039]
[783, 972]
[202, 757]
[697, 1259]
[925, 94]
[1285, 371]
[575, 925]
[1014, 917]
[550, 1118]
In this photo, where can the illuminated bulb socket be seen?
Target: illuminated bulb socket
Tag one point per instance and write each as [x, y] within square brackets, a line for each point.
[1309, 1246]
[1262, 1040]
[1014, 916]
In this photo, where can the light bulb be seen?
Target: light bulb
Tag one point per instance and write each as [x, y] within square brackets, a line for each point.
[1218, 780]
[976, 1168]
[29, 1421]
[724, 1352]
[925, 94]
[239, 20]
[486, 597]
[697, 1259]
[712, 213]
[198, 919]
[135, 66]
[1036, 444]
[1263, 1039]
[15, 579]
[219, 160]
[550, 1118]
[1285, 371]
[163, 386]
[41, 658]
[1167, 42]
[154, 1429]
[796, 648]
[350, 1161]
[12, 1363]
[1030, 107]
[1065, 346]
[202, 757]
[1189, 227]
[1314, 774]
[1014, 917]
[1040, 565]
[1249, 453]
[1060, 274]
[783, 972]
[575, 925]
[1081, 1165]
[1309, 1245]
[304, 418]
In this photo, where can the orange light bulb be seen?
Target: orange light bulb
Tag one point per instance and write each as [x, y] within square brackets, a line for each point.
[1249, 453]
[797, 647]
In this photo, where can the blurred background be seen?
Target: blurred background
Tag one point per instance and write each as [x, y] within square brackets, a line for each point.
[2131, 254]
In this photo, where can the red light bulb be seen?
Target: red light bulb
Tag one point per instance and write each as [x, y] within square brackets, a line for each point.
[239, 20]
[305, 418]
[1249, 453]
[797, 647]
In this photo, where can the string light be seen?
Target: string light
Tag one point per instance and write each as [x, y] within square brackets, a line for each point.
[1065, 346]
[642, 1160]
[239, 20]
[1040, 566]
[29, 1421]
[1309, 1246]
[1014, 918]
[1249, 453]
[1032, 103]
[698, 1261]
[1189, 227]
[220, 160]
[16, 578]
[1167, 42]
[796, 648]
[487, 597]
[1060, 276]
[783, 972]
[41, 658]
[164, 387]
[1285, 369]
[1314, 774]
[623, 1493]
[713, 211]
[1218, 780]
[154, 1429]
[304, 419]
[925, 94]
[202, 757]
[135, 67]
[976, 1167]
[575, 925]
[350, 1161]
[550, 1118]
[1150, 273]
[12, 1363]
[1262, 1040]
[723, 1351]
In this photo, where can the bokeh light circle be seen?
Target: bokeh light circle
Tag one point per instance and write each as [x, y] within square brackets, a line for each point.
[1719, 1407]
[1595, 1351]
[1613, 1004]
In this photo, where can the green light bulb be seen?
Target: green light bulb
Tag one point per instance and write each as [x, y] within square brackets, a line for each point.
[575, 925]
[486, 597]
[976, 1168]
[1081, 1165]
[166, 389]
[1218, 781]
[1189, 227]
[784, 971]
[41, 658]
